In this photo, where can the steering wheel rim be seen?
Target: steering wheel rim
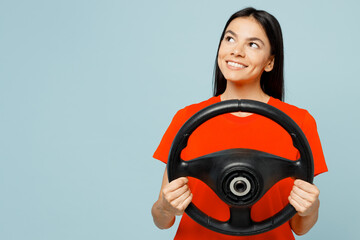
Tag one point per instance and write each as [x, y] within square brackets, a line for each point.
[240, 222]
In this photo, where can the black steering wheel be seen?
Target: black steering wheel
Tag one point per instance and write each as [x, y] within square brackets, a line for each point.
[240, 177]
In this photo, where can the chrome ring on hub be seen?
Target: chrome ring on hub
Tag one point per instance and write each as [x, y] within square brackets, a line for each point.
[243, 181]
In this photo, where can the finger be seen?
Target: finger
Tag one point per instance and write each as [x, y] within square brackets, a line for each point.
[311, 197]
[306, 186]
[179, 200]
[177, 183]
[181, 190]
[298, 207]
[171, 196]
[185, 203]
[301, 201]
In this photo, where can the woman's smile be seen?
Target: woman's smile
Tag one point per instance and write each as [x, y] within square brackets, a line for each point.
[235, 65]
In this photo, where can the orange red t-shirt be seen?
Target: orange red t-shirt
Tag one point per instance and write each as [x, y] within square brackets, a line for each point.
[229, 131]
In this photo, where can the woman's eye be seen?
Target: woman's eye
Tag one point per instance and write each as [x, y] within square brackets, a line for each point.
[254, 45]
[230, 39]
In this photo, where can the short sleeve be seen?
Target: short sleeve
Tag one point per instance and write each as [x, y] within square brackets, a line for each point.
[162, 151]
[310, 130]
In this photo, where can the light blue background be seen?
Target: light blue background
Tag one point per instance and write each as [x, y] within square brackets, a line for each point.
[87, 88]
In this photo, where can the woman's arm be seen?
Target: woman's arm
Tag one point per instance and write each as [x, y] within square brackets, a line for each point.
[173, 199]
[304, 197]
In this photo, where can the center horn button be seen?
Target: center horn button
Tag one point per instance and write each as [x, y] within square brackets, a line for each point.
[240, 187]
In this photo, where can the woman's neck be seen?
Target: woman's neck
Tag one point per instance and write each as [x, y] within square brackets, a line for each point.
[244, 91]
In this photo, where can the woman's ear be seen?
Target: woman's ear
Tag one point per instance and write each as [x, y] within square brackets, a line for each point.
[270, 64]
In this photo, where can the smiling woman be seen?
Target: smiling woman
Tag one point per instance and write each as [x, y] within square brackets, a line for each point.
[249, 65]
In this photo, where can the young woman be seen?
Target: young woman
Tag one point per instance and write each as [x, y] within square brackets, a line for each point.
[249, 65]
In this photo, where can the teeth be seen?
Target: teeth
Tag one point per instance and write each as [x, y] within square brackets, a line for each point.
[236, 65]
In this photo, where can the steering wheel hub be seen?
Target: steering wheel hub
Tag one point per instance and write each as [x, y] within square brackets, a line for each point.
[240, 187]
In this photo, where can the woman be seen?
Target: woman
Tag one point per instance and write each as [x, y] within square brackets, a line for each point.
[249, 65]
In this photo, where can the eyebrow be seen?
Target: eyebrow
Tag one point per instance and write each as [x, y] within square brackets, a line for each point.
[249, 39]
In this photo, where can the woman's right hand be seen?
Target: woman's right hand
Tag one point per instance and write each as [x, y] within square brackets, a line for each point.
[176, 196]
[173, 199]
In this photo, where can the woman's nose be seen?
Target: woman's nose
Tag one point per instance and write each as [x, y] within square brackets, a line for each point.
[239, 51]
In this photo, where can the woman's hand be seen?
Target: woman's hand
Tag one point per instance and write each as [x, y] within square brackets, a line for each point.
[173, 199]
[304, 197]
[176, 196]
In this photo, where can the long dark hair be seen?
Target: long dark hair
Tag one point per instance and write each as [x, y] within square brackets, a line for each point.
[272, 83]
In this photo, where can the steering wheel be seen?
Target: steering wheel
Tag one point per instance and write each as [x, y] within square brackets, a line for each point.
[240, 177]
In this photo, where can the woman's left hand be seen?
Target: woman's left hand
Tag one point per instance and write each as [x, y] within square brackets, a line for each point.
[304, 197]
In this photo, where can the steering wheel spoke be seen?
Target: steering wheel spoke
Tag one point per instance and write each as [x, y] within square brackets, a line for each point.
[273, 168]
[240, 217]
[201, 168]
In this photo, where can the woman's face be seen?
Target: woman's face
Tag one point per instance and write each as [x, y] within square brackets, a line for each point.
[244, 52]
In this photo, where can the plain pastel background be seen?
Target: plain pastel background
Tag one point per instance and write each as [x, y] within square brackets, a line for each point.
[87, 88]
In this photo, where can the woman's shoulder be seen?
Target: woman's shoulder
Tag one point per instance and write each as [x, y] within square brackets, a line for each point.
[298, 114]
[191, 109]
